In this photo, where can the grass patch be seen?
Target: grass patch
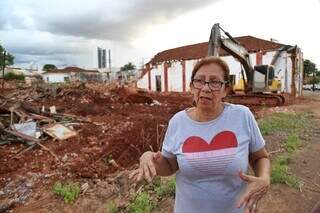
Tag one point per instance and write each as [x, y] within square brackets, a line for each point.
[148, 200]
[141, 204]
[292, 143]
[166, 189]
[283, 122]
[68, 191]
[280, 172]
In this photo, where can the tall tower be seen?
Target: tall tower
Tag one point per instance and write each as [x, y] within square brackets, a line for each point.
[102, 58]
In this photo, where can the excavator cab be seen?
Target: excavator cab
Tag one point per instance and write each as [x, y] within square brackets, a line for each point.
[263, 76]
[264, 79]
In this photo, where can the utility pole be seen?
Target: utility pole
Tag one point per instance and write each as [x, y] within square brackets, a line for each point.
[313, 80]
[4, 65]
[109, 59]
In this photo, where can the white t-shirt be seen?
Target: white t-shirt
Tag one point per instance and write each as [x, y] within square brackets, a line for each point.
[210, 155]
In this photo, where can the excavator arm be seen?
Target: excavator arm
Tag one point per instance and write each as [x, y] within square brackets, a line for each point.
[257, 80]
[234, 48]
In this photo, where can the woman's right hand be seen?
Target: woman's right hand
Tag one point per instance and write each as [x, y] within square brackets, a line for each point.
[147, 168]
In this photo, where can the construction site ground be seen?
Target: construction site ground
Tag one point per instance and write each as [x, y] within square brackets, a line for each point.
[114, 126]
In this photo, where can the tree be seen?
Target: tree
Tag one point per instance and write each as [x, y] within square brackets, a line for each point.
[309, 68]
[128, 66]
[9, 57]
[48, 67]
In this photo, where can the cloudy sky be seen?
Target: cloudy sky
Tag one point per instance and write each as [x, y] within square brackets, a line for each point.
[68, 32]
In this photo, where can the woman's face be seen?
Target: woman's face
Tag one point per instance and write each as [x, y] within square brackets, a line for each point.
[210, 94]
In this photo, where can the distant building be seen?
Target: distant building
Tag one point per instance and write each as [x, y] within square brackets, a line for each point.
[127, 76]
[31, 75]
[102, 58]
[69, 74]
[170, 70]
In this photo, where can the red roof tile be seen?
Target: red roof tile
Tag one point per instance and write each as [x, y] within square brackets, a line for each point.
[200, 50]
[71, 69]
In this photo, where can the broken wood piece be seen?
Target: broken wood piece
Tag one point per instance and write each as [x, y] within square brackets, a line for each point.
[59, 131]
[30, 108]
[32, 139]
[41, 118]
[23, 116]
[84, 188]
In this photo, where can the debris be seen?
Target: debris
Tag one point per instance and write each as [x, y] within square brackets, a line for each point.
[23, 136]
[27, 128]
[113, 163]
[65, 158]
[53, 110]
[84, 188]
[32, 139]
[59, 131]
[108, 130]
[155, 103]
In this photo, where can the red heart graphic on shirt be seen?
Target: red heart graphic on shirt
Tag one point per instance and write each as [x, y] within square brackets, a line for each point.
[211, 158]
[223, 140]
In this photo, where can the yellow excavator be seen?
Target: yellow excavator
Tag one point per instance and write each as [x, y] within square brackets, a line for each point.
[257, 85]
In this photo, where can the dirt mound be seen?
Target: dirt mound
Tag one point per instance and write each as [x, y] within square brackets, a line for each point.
[119, 125]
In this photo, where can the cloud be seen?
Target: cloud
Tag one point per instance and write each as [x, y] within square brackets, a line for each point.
[98, 19]
[4, 14]
[41, 46]
[65, 31]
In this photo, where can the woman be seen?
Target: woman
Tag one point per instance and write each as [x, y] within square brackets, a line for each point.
[209, 147]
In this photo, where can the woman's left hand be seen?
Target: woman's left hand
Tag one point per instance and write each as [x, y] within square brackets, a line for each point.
[256, 188]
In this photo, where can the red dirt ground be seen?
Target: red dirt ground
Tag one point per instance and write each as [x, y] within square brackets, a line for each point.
[120, 124]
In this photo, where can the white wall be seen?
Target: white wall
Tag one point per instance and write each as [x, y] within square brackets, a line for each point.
[157, 70]
[55, 77]
[175, 77]
[143, 82]
[283, 70]
[189, 66]
[234, 66]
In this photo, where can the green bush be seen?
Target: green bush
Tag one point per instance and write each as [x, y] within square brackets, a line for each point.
[69, 191]
[292, 143]
[166, 189]
[280, 172]
[14, 76]
[141, 204]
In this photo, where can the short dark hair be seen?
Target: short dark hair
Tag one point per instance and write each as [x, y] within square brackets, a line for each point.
[212, 60]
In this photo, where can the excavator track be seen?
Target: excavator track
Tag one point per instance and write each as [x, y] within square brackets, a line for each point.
[262, 99]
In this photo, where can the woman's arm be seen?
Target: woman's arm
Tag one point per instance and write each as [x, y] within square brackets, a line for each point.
[166, 166]
[260, 164]
[257, 185]
[152, 164]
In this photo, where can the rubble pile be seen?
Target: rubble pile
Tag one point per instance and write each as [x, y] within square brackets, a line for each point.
[80, 130]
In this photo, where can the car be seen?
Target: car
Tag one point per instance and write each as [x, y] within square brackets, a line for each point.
[307, 86]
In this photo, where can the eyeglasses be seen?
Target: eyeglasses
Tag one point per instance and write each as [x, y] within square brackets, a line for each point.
[213, 85]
